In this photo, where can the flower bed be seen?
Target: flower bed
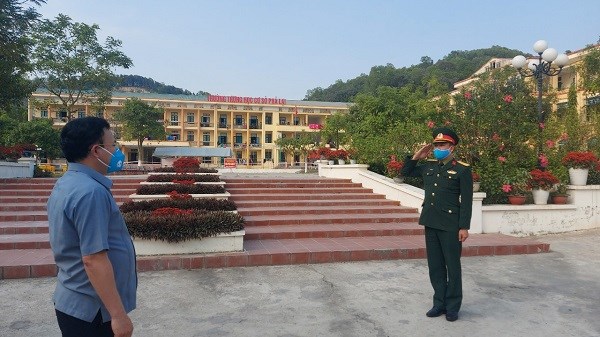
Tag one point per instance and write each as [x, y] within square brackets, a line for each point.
[187, 204]
[179, 188]
[183, 177]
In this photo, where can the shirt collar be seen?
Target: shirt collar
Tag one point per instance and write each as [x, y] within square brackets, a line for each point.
[77, 167]
[447, 160]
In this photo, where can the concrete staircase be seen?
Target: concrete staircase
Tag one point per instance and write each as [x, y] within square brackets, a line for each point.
[288, 221]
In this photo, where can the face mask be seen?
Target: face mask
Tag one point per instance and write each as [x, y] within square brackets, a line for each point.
[116, 161]
[440, 154]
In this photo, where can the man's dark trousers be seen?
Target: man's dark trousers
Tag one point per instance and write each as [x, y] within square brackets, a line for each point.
[74, 327]
[443, 258]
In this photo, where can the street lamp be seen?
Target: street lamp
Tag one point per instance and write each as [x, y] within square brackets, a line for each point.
[537, 68]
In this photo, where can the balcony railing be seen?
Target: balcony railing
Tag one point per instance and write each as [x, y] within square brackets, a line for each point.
[174, 123]
[206, 143]
[224, 126]
[239, 126]
[255, 126]
[206, 125]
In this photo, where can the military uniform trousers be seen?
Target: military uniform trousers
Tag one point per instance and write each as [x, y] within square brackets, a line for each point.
[443, 258]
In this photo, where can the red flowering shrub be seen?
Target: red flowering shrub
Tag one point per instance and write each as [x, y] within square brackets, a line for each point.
[339, 154]
[199, 178]
[11, 152]
[168, 211]
[544, 180]
[476, 177]
[580, 160]
[184, 182]
[394, 168]
[186, 164]
[179, 196]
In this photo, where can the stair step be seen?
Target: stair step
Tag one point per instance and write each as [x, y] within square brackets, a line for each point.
[331, 231]
[46, 193]
[24, 241]
[307, 219]
[301, 196]
[303, 191]
[24, 227]
[301, 210]
[292, 185]
[313, 203]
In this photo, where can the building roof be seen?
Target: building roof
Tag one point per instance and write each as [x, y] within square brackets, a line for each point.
[166, 152]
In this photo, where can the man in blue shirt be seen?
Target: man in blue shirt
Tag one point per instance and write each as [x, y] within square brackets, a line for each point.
[97, 280]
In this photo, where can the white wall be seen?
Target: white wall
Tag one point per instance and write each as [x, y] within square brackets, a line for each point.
[582, 212]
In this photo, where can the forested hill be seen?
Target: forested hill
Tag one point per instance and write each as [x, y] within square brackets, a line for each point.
[432, 78]
[145, 84]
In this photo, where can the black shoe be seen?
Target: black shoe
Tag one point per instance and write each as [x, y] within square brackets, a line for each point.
[435, 312]
[451, 316]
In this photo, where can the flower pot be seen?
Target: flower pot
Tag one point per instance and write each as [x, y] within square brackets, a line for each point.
[331, 162]
[540, 197]
[560, 199]
[516, 199]
[399, 180]
[352, 161]
[341, 161]
[476, 186]
[578, 177]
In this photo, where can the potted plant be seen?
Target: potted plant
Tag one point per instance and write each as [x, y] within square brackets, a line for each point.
[341, 155]
[559, 195]
[579, 164]
[352, 155]
[476, 181]
[541, 182]
[515, 192]
[394, 169]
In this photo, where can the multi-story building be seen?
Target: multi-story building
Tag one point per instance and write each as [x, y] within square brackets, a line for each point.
[247, 125]
[558, 84]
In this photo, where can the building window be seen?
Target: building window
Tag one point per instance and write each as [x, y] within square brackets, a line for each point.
[61, 114]
[44, 113]
[282, 121]
[268, 155]
[239, 120]
[205, 121]
[80, 113]
[296, 120]
[206, 139]
[560, 83]
[174, 136]
[174, 118]
[222, 139]
[561, 109]
[190, 118]
[269, 119]
[254, 139]
[269, 138]
[190, 136]
[238, 138]
[223, 121]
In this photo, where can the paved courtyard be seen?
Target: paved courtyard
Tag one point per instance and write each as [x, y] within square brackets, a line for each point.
[553, 294]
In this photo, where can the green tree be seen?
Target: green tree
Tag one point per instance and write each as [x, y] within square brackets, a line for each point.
[590, 71]
[72, 65]
[333, 132]
[7, 126]
[138, 121]
[40, 133]
[16, 23]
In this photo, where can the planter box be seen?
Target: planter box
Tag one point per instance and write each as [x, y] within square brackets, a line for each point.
[161, 173]
[138, 197]
[226, 242]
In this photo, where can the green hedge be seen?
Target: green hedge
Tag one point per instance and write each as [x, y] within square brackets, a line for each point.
[198, 170]
[180, 227]
[164, 178]
[183, 189]
[210, 204]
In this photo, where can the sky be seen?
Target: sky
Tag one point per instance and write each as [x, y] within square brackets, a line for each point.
[282, 48]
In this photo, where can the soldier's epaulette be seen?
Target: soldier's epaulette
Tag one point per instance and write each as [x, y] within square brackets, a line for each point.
[462, 163]
[432, 160]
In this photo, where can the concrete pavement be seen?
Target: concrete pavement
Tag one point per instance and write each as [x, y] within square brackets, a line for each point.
[553, 294]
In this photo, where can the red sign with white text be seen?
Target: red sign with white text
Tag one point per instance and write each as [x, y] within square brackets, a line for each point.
[246, 100]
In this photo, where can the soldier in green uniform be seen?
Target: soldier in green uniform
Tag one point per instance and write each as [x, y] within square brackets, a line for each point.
[446, 216]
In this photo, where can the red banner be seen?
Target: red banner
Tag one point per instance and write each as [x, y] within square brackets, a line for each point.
[246, 100]
[230, 163]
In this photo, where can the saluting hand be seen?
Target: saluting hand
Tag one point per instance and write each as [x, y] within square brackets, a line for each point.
[423, 152]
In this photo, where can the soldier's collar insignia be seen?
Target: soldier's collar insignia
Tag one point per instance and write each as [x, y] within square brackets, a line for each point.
[452, 172]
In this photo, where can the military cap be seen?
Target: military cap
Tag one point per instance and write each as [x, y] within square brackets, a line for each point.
[441, 135]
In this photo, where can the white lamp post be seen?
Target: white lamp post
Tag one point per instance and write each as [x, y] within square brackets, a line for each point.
[543, 65]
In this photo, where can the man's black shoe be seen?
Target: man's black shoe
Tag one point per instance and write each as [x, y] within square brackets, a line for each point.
[451, 316]
[435, 312]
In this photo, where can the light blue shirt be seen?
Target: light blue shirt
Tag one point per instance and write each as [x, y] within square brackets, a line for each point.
[84, 219]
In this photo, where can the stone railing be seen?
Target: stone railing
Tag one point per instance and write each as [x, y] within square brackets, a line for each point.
[581, 212]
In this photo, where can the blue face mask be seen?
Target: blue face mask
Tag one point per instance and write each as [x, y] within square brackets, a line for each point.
[440, 154]
[116, 161]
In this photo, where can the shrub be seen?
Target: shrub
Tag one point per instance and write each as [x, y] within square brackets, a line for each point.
[544, 180]
[199, 178]
[580, 160]
[594, 175]
[394, 168]
[186, 164]
[196, 204]
[198, 170]
[187, 189]
[181, 227]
